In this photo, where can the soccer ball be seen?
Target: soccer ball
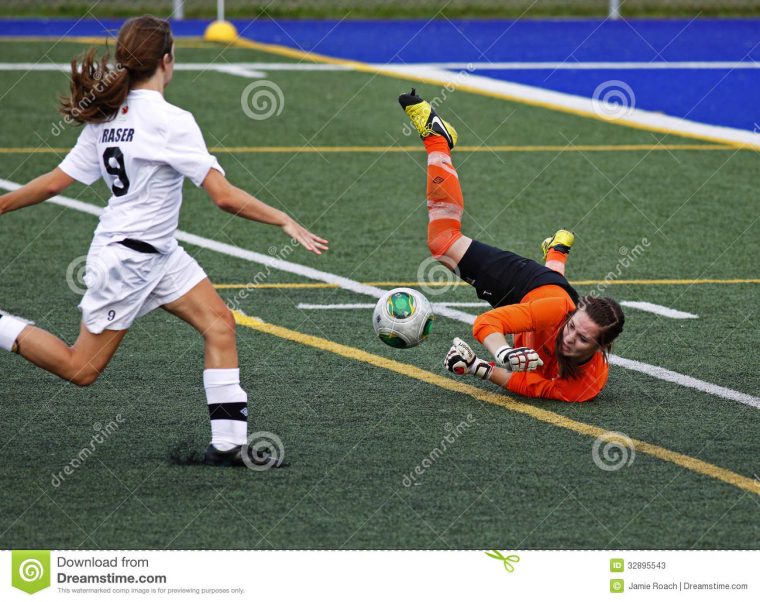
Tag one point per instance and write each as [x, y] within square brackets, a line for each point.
[403, 318]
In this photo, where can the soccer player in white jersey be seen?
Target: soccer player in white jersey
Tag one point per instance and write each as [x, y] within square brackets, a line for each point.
[143, 147]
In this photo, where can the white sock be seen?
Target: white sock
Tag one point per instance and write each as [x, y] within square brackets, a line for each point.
[10, 329]
[227, 406]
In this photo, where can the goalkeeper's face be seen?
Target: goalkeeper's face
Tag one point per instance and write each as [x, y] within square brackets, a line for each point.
[579, 337]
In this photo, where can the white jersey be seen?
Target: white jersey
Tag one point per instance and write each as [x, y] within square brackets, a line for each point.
[143, 154]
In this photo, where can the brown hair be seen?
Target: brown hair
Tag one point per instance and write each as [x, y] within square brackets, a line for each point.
[607, 314]
[97, 89]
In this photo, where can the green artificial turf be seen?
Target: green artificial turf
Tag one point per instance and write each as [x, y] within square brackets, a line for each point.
[352, 431]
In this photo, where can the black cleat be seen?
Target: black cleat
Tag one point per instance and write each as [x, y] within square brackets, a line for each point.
[243, 455]
[406, 100]
[216, 457]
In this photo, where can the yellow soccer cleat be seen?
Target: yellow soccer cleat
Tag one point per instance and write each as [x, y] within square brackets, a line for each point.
[425, 119]
[562, 241]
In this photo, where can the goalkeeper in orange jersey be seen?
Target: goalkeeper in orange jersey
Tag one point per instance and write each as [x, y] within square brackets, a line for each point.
[560, 341]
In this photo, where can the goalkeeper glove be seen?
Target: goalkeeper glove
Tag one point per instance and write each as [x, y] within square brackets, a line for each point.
[520, 359]
[461, 359]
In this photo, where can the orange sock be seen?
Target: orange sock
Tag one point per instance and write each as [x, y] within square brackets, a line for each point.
[556, 260]
[444, 197]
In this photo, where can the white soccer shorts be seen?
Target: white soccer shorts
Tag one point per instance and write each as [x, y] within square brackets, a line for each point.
[123, 284]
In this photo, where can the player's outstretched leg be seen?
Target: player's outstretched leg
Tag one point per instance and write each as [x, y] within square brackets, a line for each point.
[444, 194]
[80, 363]
[556, 249]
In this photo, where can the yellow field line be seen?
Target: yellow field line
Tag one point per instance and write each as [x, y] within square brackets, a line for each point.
[473, 149]
[499, 399]
[313, 57]
[59, 39]
[419, 148]
[188, 42]
[671, 281]
[277, 285]
[33, 151]
[265, 285]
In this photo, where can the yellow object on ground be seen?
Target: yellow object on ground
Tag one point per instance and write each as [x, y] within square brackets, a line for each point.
[221, 31]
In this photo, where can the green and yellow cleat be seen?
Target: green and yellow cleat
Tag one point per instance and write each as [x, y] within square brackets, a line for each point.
[425, 119]
[562, 241]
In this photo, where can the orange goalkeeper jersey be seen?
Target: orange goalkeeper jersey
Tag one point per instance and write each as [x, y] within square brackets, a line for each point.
[535, 322]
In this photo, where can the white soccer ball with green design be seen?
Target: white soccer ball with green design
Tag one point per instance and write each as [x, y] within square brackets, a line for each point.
[403, 318]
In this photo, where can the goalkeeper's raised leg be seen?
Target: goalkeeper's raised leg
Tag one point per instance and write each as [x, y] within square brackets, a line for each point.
[560, 341]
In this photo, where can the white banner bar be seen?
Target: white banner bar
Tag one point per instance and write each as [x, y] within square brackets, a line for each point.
[380, 575]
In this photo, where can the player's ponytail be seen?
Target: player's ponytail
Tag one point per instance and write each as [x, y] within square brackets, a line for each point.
[607, 314]
[99, 88]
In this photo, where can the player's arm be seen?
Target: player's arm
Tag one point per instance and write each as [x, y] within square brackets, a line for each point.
[530, 384]
[500, 377]
[461, 360]
[491, 327]
[234, 200]
[40, 189]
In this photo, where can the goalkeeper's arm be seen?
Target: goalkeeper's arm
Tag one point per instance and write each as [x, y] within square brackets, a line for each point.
[500, 377]
[461, 360]
[520, 359]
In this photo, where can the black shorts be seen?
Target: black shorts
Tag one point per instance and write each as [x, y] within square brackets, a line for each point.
[504, 278]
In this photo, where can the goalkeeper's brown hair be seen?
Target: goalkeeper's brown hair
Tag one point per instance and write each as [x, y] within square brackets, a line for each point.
[99, 88]
[607, 314]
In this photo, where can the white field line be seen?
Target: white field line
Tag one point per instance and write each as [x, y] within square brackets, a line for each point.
[436, 306]
[519, 92]
[469, 66]
[652, 308]
[630, 116]
[462, 304]
[336, 306]
[372, 291]
[35, 67]
[591, 65]
[252, 256]
[243, 69]
[660, 310]
[686, 381]
[239, 69]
